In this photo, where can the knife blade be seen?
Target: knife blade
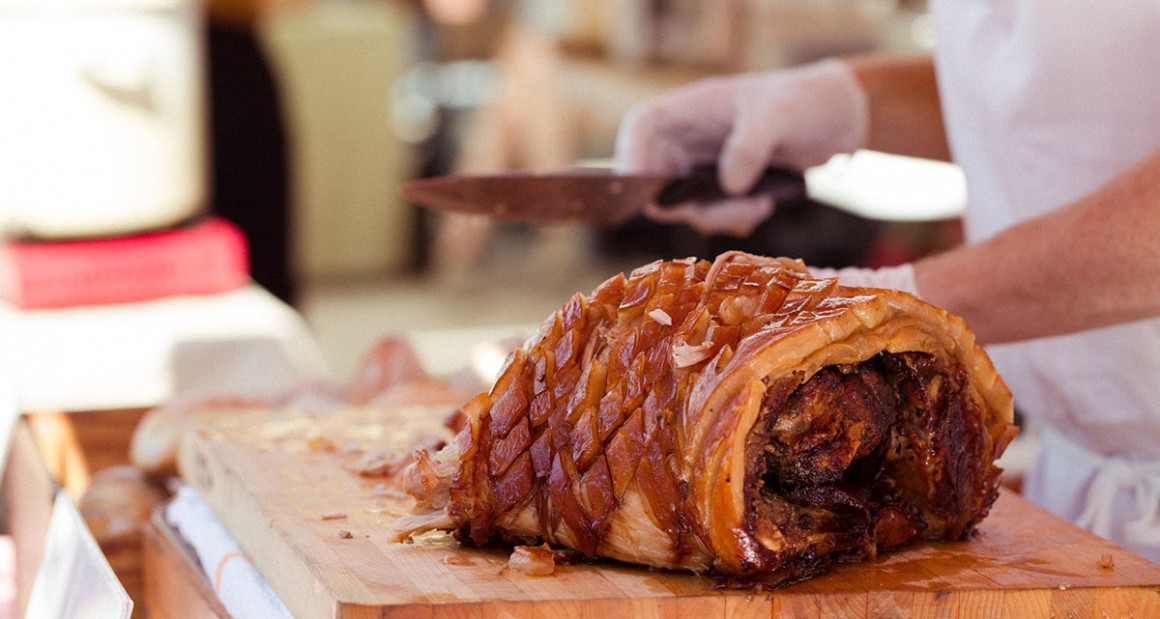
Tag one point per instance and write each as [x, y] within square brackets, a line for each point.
[597, 196]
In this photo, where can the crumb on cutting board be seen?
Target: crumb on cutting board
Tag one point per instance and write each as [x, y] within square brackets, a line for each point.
[532, 560]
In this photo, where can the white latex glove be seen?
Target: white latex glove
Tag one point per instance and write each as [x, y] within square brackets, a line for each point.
[899, 277]
[794, 118]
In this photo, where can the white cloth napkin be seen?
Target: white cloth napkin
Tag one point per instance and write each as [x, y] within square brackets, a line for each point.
[238, 584]
[1115, 497]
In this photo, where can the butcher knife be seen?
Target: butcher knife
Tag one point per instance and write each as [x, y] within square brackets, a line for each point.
[597, 196]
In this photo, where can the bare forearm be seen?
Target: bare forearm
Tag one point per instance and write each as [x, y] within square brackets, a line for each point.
[1090, 264]
[905, 113]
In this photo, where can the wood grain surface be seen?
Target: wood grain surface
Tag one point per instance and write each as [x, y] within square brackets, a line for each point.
[285, 484]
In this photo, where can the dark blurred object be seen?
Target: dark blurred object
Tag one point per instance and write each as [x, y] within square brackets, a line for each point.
[908, 241]
[249, 174]
[818, 234]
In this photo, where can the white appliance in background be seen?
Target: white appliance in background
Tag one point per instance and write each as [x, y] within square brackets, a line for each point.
[888, 187]
[102, 116]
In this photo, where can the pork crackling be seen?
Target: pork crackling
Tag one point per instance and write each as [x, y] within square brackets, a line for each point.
[736, 417]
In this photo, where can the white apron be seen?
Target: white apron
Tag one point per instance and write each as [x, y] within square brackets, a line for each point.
[1045, 101]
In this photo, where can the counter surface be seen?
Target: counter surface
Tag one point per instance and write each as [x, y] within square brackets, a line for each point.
[284, 484]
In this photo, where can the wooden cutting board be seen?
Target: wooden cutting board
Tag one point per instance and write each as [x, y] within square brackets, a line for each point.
[283, 484]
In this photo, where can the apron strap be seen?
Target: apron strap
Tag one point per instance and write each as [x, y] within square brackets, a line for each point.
[1115, 480]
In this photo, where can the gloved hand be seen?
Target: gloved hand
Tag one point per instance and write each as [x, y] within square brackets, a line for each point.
[794, 118]
[899, 277]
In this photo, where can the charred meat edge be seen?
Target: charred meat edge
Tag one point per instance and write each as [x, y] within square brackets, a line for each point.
[839, 467]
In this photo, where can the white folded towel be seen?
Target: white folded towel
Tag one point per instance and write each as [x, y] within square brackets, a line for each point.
[238, 584]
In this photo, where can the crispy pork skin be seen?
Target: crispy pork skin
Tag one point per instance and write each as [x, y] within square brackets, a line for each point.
[738, 417]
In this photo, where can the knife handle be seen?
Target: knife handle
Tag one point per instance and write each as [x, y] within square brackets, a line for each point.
[700, 185]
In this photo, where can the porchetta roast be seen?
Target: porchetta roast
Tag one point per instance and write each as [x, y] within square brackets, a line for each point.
[738, 417]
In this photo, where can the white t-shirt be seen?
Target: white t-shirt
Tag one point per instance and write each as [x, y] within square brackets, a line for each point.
[1045, 101]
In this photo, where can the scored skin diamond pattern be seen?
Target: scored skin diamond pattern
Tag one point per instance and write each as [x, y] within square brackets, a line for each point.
[587, 411]
[637, 424]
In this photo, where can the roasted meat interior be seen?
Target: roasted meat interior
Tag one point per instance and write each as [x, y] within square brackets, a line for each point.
[738, 417]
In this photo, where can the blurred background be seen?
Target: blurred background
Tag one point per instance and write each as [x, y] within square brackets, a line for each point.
[313, 113]
[377, 92]
[200, 201]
